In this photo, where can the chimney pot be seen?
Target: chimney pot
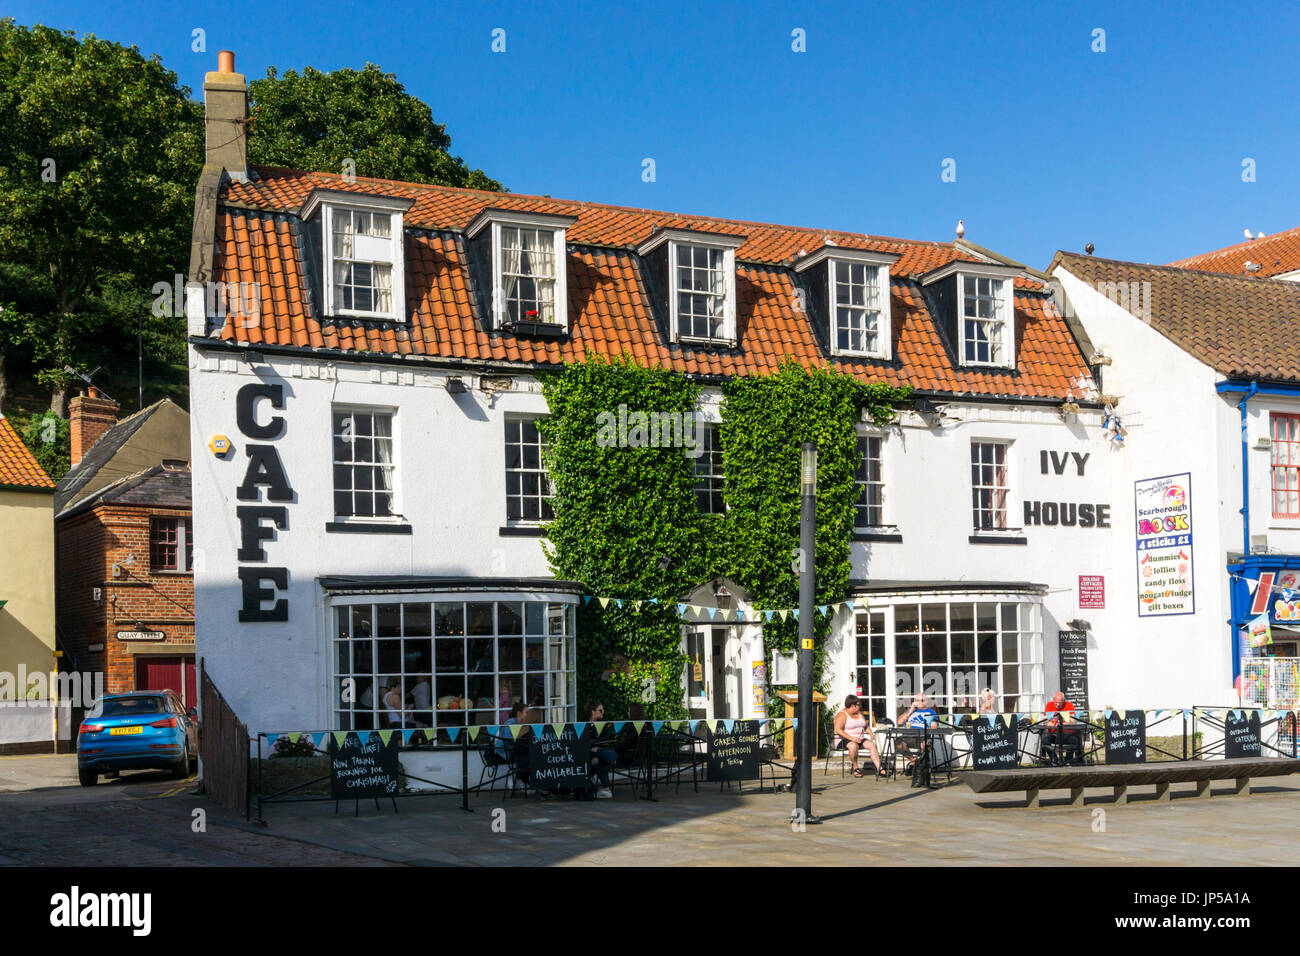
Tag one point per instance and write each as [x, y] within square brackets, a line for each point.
[226, 61]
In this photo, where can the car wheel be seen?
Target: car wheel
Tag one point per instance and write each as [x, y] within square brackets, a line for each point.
[182, 769]
[87, 776]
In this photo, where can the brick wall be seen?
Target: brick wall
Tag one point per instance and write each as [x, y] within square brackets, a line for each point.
[89, 546]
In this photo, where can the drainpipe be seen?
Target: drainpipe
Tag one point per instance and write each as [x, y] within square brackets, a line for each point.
[1245, 472]
[1245, 526]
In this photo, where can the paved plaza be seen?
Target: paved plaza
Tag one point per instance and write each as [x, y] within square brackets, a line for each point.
[146, 818]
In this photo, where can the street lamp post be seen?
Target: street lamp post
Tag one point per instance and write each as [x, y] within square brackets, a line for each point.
[807, 736]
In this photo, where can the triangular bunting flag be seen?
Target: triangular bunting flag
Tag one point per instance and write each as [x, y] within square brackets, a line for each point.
[453, 733]
[339, 737]
[618, 602]
[619, 725]
[681, 609]
[794, 723]
[712, 613]
[768, 615]
[658, 725]
[516, 730]
[740, 615]
[728, 724]
[579, 727]
[795, 613]
[586, 599]
[558, 728]
[385, 736]
[604, 602]
[822, 609]
[784, 614]
[537, 730]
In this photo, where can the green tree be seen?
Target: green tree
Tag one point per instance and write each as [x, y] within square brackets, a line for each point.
[320, 121]
[99, 152]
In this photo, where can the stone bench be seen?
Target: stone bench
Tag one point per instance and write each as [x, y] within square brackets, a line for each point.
[1119, 777]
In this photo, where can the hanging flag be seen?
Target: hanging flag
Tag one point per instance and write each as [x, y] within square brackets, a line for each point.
[728, 724]
[452, 733]
[795, 612]
[712, 612]
[579, 727]
[604, 602]
[768, 615]
[339, 737]
[681, 609]
[658, 725]
[822, 609]
[586, 599]
[619, 725]
[740, 615]
[784, 614]
[618, 602]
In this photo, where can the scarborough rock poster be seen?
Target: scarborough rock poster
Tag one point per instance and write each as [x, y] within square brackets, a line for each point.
[1164, 545]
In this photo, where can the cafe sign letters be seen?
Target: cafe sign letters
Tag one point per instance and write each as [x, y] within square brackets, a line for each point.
[266, 490]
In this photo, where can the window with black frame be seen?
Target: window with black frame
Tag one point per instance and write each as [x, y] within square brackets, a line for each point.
[451, 663]
[528, 487]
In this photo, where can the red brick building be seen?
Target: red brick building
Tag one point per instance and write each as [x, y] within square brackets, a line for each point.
[125, 548]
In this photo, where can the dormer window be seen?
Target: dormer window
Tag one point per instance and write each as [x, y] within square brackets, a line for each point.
[978, 299]
[357, 239]
[856, 292]
[984, 320]
[697, 273]
[524, 253]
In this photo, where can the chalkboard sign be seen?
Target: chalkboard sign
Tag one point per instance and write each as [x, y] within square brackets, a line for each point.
[733, 754]
[363, 767]
[1126, 737]
[1241, 736]
[560, 761]
[1073, 648]
[993, 747]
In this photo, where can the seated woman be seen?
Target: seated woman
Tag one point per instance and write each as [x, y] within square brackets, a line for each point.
[602, 758]
[853, 730]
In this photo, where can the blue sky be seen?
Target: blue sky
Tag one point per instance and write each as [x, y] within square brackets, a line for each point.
[1137, 149]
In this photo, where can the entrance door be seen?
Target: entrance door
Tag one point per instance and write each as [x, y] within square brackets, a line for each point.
[168, 673]
[718, 689]
[699, 673]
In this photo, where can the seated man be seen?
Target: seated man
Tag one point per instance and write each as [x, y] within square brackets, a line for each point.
[1061, 738]
[918, 715]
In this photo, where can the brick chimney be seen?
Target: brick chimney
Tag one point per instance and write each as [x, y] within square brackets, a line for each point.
[90, 415]
[225, 104]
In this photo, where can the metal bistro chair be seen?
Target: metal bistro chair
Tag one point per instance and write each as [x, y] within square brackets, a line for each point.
[495, 766]
[633, 764]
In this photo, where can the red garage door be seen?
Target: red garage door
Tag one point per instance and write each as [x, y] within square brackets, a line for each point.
[168, 673]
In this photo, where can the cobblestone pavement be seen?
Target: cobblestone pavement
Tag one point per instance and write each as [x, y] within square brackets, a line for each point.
[146, 818]
[140, 819]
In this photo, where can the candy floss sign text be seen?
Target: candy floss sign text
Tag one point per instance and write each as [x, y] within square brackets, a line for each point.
[1164, 545]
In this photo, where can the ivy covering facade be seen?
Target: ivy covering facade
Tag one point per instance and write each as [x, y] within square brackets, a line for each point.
[627, 524]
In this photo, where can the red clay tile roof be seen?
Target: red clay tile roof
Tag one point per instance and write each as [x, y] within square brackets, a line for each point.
[1242, 328]
[1275, 255]
[609, 311]
[18, 467]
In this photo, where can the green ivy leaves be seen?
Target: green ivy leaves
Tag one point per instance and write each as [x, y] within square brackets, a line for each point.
[627, 523]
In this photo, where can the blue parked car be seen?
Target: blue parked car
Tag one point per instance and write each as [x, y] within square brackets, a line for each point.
[147, 729]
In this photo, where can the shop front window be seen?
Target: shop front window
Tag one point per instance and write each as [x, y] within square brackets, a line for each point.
[952, 651]
[439, 664]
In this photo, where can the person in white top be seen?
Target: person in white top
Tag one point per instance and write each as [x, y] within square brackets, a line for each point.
[853, 730]
[393, 704]
[988, 702]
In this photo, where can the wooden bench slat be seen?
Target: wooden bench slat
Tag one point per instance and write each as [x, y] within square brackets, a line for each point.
[1161, 774]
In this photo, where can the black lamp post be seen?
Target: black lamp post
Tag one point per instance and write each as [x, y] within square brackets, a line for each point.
[807, 735]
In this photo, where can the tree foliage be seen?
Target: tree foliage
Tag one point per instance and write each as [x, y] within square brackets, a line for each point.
[99, 152]
[319, 121]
